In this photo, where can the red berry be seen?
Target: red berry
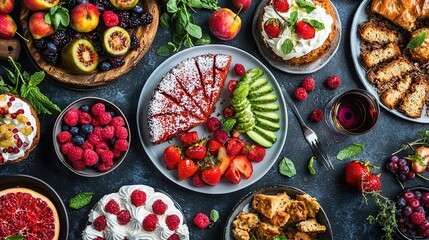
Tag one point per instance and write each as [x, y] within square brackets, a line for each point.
[305, 30]
[66, 147]
[201, 220]
[300, 94]
[75, 154]
[172, 222]
[97, 109]
[104, 167]
[174, 237]
[107, 156]
[90, 157]
[232, 84]
[172, 156]
[417, 218]
[116, 153]
[85, 118]
[256, 153]
[189, 138]
[333, 82]
[316, 115]
[228, 112]
[104, 118]
[121, 145]
[121, 133]
[123, 217]
[100, 223]
[369, 183]
[213, 146]
[355, 170]
[221, 136]
[414, 204]
[234, 146]
[281, 5]
[64, 137]
[94, 138]
[138, 198]
[273, 27]
[100, 147]
[110, 19]
[408, 196]
[213, 124]
[112, 207]
[150, 222]
[79, 165]
[87, 145]
[308, 84]
[108, 132]
[117, 122]
[159, 207]
[239, 69]
[71, 117]
[197, 180]
[197, 151]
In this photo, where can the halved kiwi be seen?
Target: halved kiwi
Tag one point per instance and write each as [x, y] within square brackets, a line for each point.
[79, 56]
[124, 4]
[116, 41]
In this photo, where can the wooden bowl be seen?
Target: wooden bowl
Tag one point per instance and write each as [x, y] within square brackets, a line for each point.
[145, 34]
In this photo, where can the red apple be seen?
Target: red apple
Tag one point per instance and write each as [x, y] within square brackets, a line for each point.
[7, 26]
[241, 4]
[38, 5]
[38, 27]
[84, 17]
[6, 6]
[224, 24]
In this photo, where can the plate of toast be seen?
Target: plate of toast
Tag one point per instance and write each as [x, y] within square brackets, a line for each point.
[390, 53]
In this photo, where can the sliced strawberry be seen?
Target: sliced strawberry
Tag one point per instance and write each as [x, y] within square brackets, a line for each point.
[197, 151]
[281, 5]
[223, 160]
[234, 146]
[423, 152]
[212, 175]
[232, 174]
[186, 168]
[189, 138]
[369, 183]
[256, 153]
[243, 165]
[172, 156]
[273, 27]
[305, 30]
[213, 146]
[232, 84]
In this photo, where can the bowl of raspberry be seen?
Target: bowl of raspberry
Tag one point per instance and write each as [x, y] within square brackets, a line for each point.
[412, 214]
[91, 136]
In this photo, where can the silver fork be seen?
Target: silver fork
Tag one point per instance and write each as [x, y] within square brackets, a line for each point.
[309, 135]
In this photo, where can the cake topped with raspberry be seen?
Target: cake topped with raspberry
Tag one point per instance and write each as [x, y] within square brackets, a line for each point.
[136, 212]
[19, 129]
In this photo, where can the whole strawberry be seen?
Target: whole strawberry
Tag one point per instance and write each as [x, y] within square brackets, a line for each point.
[273, 27]
[212, 175]
[172, 156]
[369, 183]
[213, 146]
[186, 168]
[189, 138]
[355, 171]
[234, 146]
[197, 151]
[281, 5]
[305, 30]
[256, 153]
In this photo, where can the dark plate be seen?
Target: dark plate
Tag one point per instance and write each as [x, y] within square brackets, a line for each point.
[244, 205]
[44, 189]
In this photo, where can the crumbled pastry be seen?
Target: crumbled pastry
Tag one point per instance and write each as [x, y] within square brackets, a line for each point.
[311, 203]
[267, 205]
[267, 231]
[297, 210]
[246, 221]
[310, 226]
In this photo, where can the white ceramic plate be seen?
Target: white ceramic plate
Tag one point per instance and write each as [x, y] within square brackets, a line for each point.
[155, 152]
[304, 69]
[360, 17]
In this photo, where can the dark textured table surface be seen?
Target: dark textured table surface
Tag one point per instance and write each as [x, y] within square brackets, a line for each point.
[344, 206]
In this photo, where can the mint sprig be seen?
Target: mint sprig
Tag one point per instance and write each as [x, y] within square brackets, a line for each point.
[350, 151]
[316, 24]
[310, 166]
[417, 40]
[80, 200]
[58, 17]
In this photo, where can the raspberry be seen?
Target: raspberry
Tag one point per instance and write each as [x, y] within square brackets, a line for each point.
[174, 237]
[159, 207]
[316, 115]
[121, 133]
[112, 207]
[308, 84]
[95, 123]
[123, 217]
[97, 109]
[106, 156]
[117, 122]
[108, 132]
[79, 165]
[333, 82]
[150, 222]
[97, 131]
[101, 147]
[201, 220]
[228, 112]
[100, 223]
[110, 19]
[87, 145]
[417, 218]
[121, 145]
[172, 222]
[300, 94]
[213, 124]
[104, 167]
[64, 137]
[71, 117]
[116, 153]
[66, 147]
[90, 157]
[239, 69]
[104, 118]
[138, 198]
[197, 180]
[221, 136]
[85, 118]
[75, 154]
[93, 138]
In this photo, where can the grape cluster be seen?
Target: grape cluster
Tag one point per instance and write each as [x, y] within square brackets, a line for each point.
[412, 213]
[402, 167]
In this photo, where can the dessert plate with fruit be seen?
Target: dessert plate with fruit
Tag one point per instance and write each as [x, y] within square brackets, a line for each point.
[86, 44]
[208, 124]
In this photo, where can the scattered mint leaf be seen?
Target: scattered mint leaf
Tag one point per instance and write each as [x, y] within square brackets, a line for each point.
[166, 49]
[310, 166]
[14, 238]
[287, 168]
[293, 19]
[172, 6]
[214, 217]
[309, 7]
[316, 24]
[287, 46]
[40, 102]
[10, 75]
[417, 40]
[80, 200]
[164, 21]
[350, 151]
[2, 120]
[280, 238]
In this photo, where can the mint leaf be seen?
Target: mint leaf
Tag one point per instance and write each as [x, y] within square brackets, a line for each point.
[350, 151]
[166, 49]
[40, 102]
[194, 30]
[172, 6]
[80, 200]
[37, 78]
[287, 168]
[214, 215]
[4, 88]
[14, 238]
[316, 24]
[417, 40]
[280, 238]
[293, 19]
[164, 21]
[204, 40]
[287, 46]
[10, 75]
[228, 124]
[2, 120]
[309, 7]
[58, 17]
[310, 166]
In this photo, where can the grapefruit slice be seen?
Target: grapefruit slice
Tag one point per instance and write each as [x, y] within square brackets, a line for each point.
[24, 212]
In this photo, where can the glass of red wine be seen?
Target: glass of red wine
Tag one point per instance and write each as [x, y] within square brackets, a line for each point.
[354, 112]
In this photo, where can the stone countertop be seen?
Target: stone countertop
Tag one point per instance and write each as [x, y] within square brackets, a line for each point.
[344, 206]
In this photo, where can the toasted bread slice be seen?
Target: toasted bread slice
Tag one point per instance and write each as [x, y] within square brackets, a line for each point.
[297, 210]
[394, 69]
[246, 221]
[266, 231]
[279, 219]
[310, 226]
[414, 101]
[311, 203]
[372, 33]
[391, 97]
[380, 55]
[267, 205]
[240, 234]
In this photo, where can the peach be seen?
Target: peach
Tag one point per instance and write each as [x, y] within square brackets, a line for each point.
[241, 4]
[84, 17]
[224, 24]
[6, 6]
[38, 27]
[7, 26]
[38, 5]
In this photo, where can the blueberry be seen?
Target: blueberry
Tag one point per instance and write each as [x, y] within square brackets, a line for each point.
[113, 141]
[82, 1]
[85, 108]
[106, 66]
[78, 140]
[401, 202]
[111, 112]
[51, 48]
[65, 127]
[86, 129]
[138, 9]
[74, 130]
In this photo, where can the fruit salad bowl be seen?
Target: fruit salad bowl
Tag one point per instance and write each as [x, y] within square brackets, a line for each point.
[91, 137]
[64, 76]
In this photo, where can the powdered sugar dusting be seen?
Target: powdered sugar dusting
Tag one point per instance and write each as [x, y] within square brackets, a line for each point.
[206, 63]
[222, 61]
[163, 127]
[160, 104]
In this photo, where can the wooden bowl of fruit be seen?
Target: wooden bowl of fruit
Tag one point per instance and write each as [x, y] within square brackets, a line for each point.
[101, 41]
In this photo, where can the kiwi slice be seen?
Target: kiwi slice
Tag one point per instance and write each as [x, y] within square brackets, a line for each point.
[79, 56]
[124, 4]
[116, 41]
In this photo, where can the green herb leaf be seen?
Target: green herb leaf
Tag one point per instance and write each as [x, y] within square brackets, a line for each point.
[210, 4]
[287, 168]
[417, 158]
[228, 124]
[309, 7]
[48, 19]
[40, 102]
[2, 120]
[172, 6]
[10, 75]
[188, 42]
[195, 3]
[280, 238]
[287, 46]
[293, 19]
[214, 215]
[316, 24]
[204, 40]
[4, 88]
[36, 78]
[165, 21]
[310, 166]
[166, 49]
[417, 40]
[80, 200]
[194, 30]
[58, 17]
[14, 238]
[386, 217]
[350, 151]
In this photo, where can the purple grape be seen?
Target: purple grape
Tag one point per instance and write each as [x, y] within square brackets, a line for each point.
[401, 219]
[408, 196]
[393, 167]
[425, 197]
[417, 194]
[394, 158]
[402, 228]
[404, 169]
[412, 232]
[402, 177]
[407, 210]
[420, 209]
[402, 162]
[411, 176]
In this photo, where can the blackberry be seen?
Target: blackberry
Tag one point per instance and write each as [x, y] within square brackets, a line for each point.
[135, 43]
[51, 54]
[147, 18]
[105, 66]
[60, 38]
[99, 49]
[135, 20]
[70, 3]
[103, 4]
[116, 62]
[40, 44]
[124, 19]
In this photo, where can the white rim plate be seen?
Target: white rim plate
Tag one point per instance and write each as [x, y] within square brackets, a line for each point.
[155, 152]
[360, 17]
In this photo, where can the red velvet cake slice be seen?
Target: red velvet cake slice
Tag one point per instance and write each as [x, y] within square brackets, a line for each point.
[221, 68]
[161, 104]
[205, 64]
